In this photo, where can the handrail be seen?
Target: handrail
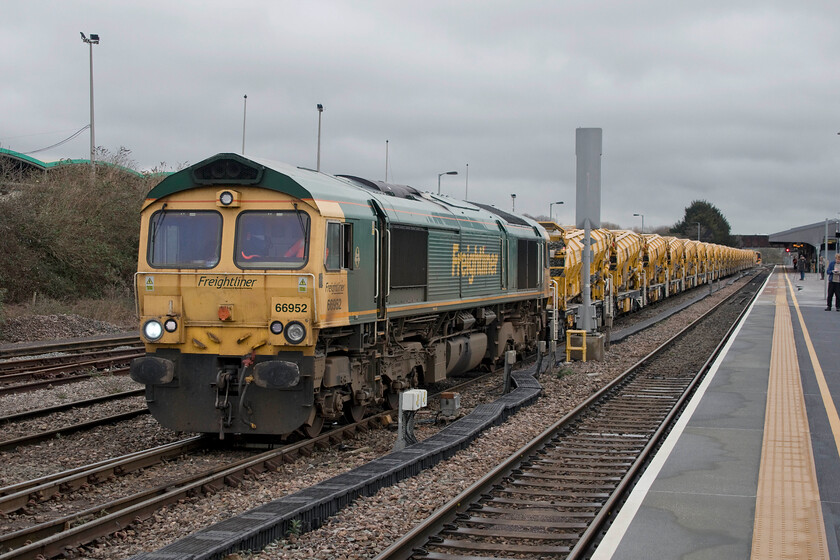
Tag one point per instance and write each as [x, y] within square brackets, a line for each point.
[376, 263]
[388, 287]
[552, 290]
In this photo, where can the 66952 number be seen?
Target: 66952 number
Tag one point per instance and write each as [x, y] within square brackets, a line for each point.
[290, 308]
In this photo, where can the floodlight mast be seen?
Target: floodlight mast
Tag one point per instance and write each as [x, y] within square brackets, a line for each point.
[93, 40]
[320, 108]
[244, 114]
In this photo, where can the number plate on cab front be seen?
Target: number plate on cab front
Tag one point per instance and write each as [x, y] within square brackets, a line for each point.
[286, 310]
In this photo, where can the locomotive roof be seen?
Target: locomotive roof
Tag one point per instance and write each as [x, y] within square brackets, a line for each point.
[402, 204]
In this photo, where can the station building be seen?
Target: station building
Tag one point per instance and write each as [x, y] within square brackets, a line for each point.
[809, 241]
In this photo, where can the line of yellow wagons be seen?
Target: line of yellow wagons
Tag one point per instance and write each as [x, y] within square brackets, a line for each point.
[629, 270]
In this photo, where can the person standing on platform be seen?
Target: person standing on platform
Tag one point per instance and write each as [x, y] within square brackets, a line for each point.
[802, 263]
[822, 267]
[833, 271]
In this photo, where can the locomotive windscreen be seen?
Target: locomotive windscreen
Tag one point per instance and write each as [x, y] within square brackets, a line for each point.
[272, 239]
[184, 239]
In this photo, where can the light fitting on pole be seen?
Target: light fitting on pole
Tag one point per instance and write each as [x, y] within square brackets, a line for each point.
[445, 173]
[643, 221]
[550, 205]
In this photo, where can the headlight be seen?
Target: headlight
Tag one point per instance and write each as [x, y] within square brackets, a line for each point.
[295, 332]
[226, 198]
[152, 330]
[170, 325]
[276, 327]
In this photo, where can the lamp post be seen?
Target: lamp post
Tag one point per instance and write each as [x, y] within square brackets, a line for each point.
[467, 183]
[698, 230]
[550, 204]
[320, 110]
[445, 173]
[244, 112]
[643, 221]
[93, 40]
[513, 202]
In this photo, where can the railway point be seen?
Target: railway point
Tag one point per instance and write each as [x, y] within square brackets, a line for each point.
[750, 469]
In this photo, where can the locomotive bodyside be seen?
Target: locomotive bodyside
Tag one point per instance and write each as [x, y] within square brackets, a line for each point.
[274, 298]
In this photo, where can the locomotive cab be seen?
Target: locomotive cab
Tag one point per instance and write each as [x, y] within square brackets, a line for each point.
[227, 306]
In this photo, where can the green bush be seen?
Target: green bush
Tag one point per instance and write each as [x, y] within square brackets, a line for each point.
[67, 237]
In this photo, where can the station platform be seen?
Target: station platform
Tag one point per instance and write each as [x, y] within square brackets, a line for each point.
[751, 469]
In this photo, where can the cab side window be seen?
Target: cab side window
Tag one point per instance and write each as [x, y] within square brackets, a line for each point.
[339, 246]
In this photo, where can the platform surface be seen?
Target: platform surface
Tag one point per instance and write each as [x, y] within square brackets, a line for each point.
[751, 469]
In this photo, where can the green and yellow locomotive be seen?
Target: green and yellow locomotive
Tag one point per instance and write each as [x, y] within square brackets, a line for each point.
[274, 298]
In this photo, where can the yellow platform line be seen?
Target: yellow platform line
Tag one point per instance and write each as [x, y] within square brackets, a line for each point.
[788, 516]
[828, 402]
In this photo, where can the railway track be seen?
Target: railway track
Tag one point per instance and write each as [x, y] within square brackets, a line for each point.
[52, 540]
[32, 374]
[47, 383]
[29, 414]
[32, 368]
[53, 537]
[71, 428]
[43, 371]
[73, 345]
[554, 496]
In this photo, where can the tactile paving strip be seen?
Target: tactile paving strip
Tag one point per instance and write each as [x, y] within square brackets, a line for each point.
[788, 517]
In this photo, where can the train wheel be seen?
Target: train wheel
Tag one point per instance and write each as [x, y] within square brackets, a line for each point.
[355, 413]
[392, 400]
[312, 430]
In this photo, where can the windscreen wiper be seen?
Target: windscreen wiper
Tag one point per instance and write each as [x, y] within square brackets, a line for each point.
[157, 224]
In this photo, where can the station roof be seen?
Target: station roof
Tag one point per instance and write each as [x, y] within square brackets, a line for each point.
[29, 163]
[813, 234]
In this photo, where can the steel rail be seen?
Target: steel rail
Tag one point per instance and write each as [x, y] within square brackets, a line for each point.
[67, 364]
[41, 436]
[28, 414]
[17, 496]
[405, 547]
[611, 506]
[47, 383]
[15, 350]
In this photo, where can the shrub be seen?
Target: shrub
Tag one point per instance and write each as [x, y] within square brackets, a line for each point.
[67, 237]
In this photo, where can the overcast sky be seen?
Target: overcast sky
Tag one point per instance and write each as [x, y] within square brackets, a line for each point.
[734, 102]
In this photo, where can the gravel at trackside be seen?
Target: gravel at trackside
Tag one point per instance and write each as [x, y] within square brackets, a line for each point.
[53, 327]
[371, 524]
